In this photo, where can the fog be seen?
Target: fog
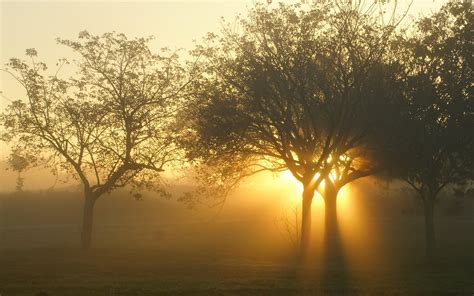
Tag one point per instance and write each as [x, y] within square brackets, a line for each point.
[57, 237]
[258, 220]
[244, 245]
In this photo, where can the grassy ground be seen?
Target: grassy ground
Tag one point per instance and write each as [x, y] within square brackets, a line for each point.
[383, 256]
[160, 272]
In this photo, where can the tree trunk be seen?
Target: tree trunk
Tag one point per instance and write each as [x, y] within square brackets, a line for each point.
[429, 226]
[87, 219]
[308, 194]
[331, 232]
[333, 248]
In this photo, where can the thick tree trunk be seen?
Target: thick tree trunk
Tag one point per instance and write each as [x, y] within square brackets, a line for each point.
[332, 241]
[331, 227]
[331, 224]
[87, 219]
[308, 194]
[429, 226]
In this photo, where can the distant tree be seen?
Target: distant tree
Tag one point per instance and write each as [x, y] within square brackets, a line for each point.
[289, 224]
[431, 141]
[110, 125]
[18, 161]
[290, 89]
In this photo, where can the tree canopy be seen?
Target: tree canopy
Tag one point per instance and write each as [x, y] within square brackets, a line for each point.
[290, 89]
[430, 142]
[110, 125]
[433, 133]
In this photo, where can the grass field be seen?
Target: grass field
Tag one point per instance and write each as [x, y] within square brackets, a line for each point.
[155, 272]
[39, 241]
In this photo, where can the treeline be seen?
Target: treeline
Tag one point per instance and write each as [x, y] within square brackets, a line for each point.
[329, 92]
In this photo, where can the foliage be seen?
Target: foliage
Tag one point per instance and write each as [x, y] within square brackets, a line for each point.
[18, 161]
[109, 125]
[431, 144]
[433, 138]
[290, 88]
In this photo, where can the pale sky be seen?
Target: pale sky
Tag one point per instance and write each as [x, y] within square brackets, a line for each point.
[175, 24]
[37, 24]
[27, 24]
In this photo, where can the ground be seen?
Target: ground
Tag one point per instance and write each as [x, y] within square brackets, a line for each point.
[136, 251]
[159, 272]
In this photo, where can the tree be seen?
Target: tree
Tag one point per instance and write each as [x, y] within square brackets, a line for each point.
[20, 162]
[294, 89]
[431, 141]
[110, 125]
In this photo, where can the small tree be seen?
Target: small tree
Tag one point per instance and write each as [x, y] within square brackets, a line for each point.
[110, 125]
[296, 90]
[431, 142]
[20, 162]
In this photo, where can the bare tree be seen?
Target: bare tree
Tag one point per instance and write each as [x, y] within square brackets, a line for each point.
[289, 226]
[110, 125]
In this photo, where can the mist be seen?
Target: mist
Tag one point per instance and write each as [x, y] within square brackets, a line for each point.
[236, 148]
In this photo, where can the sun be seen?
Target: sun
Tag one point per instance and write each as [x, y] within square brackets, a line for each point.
[288, 176]
[287, 179]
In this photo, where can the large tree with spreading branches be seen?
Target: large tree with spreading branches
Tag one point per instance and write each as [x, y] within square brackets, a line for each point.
[110, 125]
[430, 143]
[290, 88]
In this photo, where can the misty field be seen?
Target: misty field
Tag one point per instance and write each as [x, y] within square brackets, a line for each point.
[139, 250]
[161, 272]
[258, 147]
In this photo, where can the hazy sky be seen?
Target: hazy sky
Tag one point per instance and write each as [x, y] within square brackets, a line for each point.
[175, 24]
[26, 24]
[37, 24]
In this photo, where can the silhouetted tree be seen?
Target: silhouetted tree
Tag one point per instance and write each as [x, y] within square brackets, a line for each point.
[110, 125]
[289, 89]
[431, 142]
[18, 161]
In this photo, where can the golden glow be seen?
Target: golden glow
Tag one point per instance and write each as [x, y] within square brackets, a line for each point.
[287, 180]
[288, 176]
[344, 200]
[329, 159]
[358, 230]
